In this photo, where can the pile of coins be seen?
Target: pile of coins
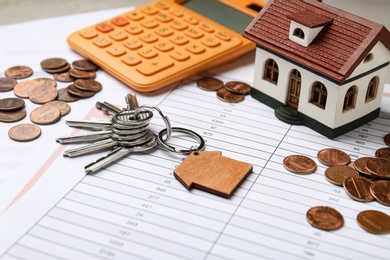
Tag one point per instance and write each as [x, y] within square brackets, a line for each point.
[366, 179]
[44, 91]
[231, 92]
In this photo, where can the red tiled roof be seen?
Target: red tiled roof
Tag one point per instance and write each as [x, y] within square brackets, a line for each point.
[335, 52]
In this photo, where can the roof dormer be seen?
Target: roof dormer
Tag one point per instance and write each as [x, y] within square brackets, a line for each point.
[306, 25]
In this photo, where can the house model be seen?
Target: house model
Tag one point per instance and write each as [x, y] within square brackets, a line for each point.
[318, 65]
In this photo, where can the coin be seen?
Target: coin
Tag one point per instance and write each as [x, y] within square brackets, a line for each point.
[325, 218]
[209, 84]
[59, 70]
[24, 132]
[88, 85]
[381, 191]
[238, 87]
[383, 153]
[84, 65]
[12, 116]
[331, 156]
[18, 72]
[7, 84]
[80, 74]
[374, 221]
[387, 139]
[22, 88]
[360, 166]
[46, 82]
[358, 188]
[11, 104]
[336, 174]
[63, 77]
[61, 105]
[53, 63]
[41, 94]
[227, 96]
[45, 115]
[78, 92]
[299, 164]
[379, 167]
[64, 95]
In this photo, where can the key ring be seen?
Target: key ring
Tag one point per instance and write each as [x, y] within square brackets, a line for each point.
[162, 141]
[165, 118]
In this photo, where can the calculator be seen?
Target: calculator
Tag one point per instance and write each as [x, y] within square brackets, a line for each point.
[165, 41]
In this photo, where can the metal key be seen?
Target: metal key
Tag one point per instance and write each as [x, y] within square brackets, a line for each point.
[91, 148]
[96, 124]
[118, 153]
[109, 108]
[85, 137]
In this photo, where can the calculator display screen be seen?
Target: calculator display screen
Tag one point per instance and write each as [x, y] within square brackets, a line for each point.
[220, 13]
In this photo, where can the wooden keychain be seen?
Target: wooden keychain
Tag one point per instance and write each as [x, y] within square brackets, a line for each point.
[209, 171]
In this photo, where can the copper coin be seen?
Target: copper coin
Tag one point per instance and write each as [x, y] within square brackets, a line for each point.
[88, 85]
[299, 164]
[331, 156]
[59, 70]
[325, 218]
[64, 95]
[45, 115]
[379, 167]
[23, 88]
[63, 77]
[381, 191]
[227, 96]
[383, 153]
[13, 116]
[53, 63]
[387, 139]
[7, 84]
[79, 93]
[358, 188]
[11, 104]
[80, 74]
[336, 174]
[61, 105]
[19, 72]
[24, 132]
[238, 87]
[209, 84]
[374, 221]
[360, 166]
[46, 82]
[85, 65]
[42, 94]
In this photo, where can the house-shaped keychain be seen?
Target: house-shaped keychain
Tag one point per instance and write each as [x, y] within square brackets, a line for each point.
[318, 65]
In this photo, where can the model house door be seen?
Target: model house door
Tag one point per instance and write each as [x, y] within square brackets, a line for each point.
[294, 89]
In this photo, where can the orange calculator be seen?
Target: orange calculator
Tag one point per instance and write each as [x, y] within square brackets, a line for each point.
[166, 41]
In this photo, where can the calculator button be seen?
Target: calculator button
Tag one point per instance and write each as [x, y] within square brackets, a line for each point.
[223, 36]
[119, 21]
[134, 29]
[176, 13]
[148, 37]
[135, 15]
[133, 44]
[178, 25]
[164, 31]
[118, 35]
[116, 51]
[163, 46]
[147, 53]
[193, 33]
[206, 27]
[195, 48]
[102, 41]
[164, 17]
[150, 23]
[162, 5]
[210, 41]
[151, 67]
[104, 27]
[149, 10]
[192, 20]
[131, 60]
[179, 55]
[179, 39]
[89, 33]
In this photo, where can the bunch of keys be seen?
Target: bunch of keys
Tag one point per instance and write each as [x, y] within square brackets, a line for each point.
[127, 132]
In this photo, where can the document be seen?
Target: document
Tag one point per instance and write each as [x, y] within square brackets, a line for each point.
[136, 209]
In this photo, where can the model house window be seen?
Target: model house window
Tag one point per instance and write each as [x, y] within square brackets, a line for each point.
[271, 71]
[372, 89]
[299, 33]
[349, 100]
[319, 94]
[368, 58]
